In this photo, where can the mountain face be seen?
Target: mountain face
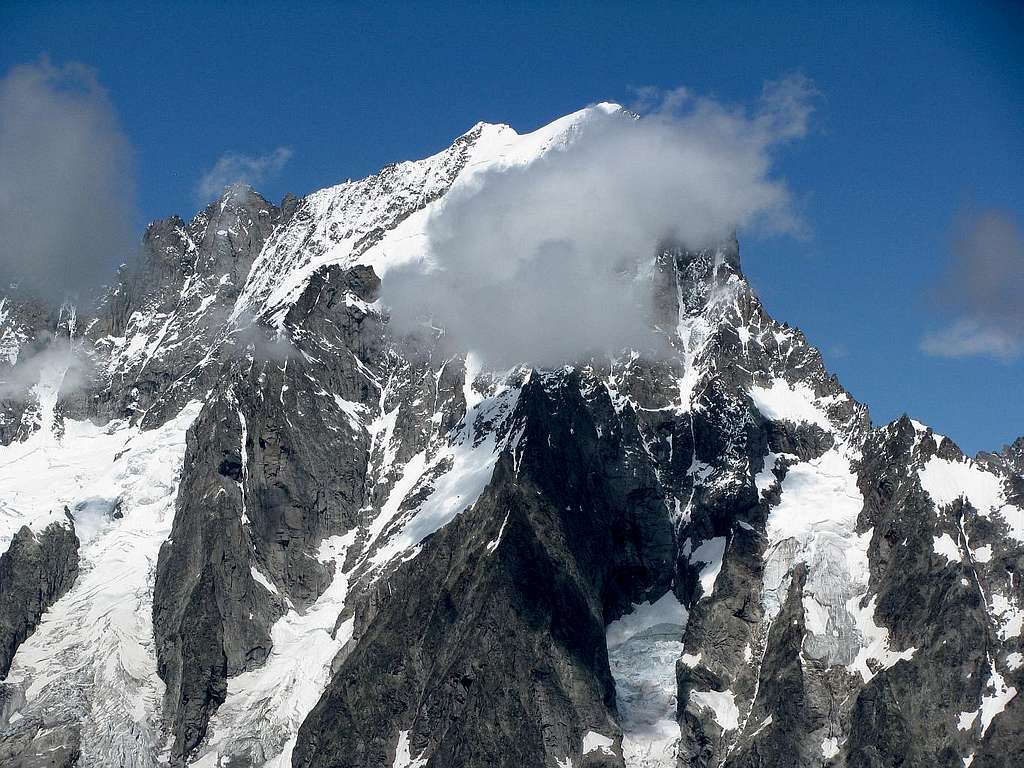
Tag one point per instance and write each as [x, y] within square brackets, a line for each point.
[243, 523]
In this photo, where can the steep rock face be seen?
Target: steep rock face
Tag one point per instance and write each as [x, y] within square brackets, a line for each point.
[307, 541]
[210, 614]
[154, 342]
[510, 601]
[946, 568]
[34, 571]
[275, 464]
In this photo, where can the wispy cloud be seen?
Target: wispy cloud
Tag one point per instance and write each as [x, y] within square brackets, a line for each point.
[237, 168]
[566, 242]
[981, 291]
[838, 351]
[66, 187]
[972, 338]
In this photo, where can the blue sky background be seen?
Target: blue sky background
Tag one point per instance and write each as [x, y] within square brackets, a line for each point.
[921, 118]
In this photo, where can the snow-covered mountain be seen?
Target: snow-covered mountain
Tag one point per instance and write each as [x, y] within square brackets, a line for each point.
[243, 523]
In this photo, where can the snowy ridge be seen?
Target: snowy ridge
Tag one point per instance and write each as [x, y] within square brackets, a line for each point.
[381, 221]
[948, 480]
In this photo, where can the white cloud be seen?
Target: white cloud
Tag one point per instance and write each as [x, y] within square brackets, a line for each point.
[982, 291]
[546, 263]
[66, 188]
[236, 168]
[971, 338]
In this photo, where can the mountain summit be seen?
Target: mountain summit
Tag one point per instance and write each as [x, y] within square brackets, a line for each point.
[246, 523]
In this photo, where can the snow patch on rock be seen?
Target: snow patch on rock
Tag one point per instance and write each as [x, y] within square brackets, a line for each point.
[403, 755]
[454, 476]
[876, 647]
[722, 705]
[1009, 616]
[829, 748]
[945, 545]
[711, 554]
[596, 742]
[996, 696]
[783, 401]
[946, 481]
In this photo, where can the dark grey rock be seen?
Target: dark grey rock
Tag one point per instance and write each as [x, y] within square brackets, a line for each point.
[35, 571]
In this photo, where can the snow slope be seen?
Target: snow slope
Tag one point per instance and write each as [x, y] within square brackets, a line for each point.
[91, 662]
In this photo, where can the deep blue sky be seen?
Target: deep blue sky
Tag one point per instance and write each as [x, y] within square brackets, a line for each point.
[921, 117]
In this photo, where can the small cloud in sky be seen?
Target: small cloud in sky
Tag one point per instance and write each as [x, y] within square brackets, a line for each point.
[237, 168]
[981, 291]
[972, 338]
[783, 111]
[648, 99]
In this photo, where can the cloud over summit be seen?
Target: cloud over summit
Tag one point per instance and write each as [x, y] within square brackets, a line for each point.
[549, 262]
[237, 168]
